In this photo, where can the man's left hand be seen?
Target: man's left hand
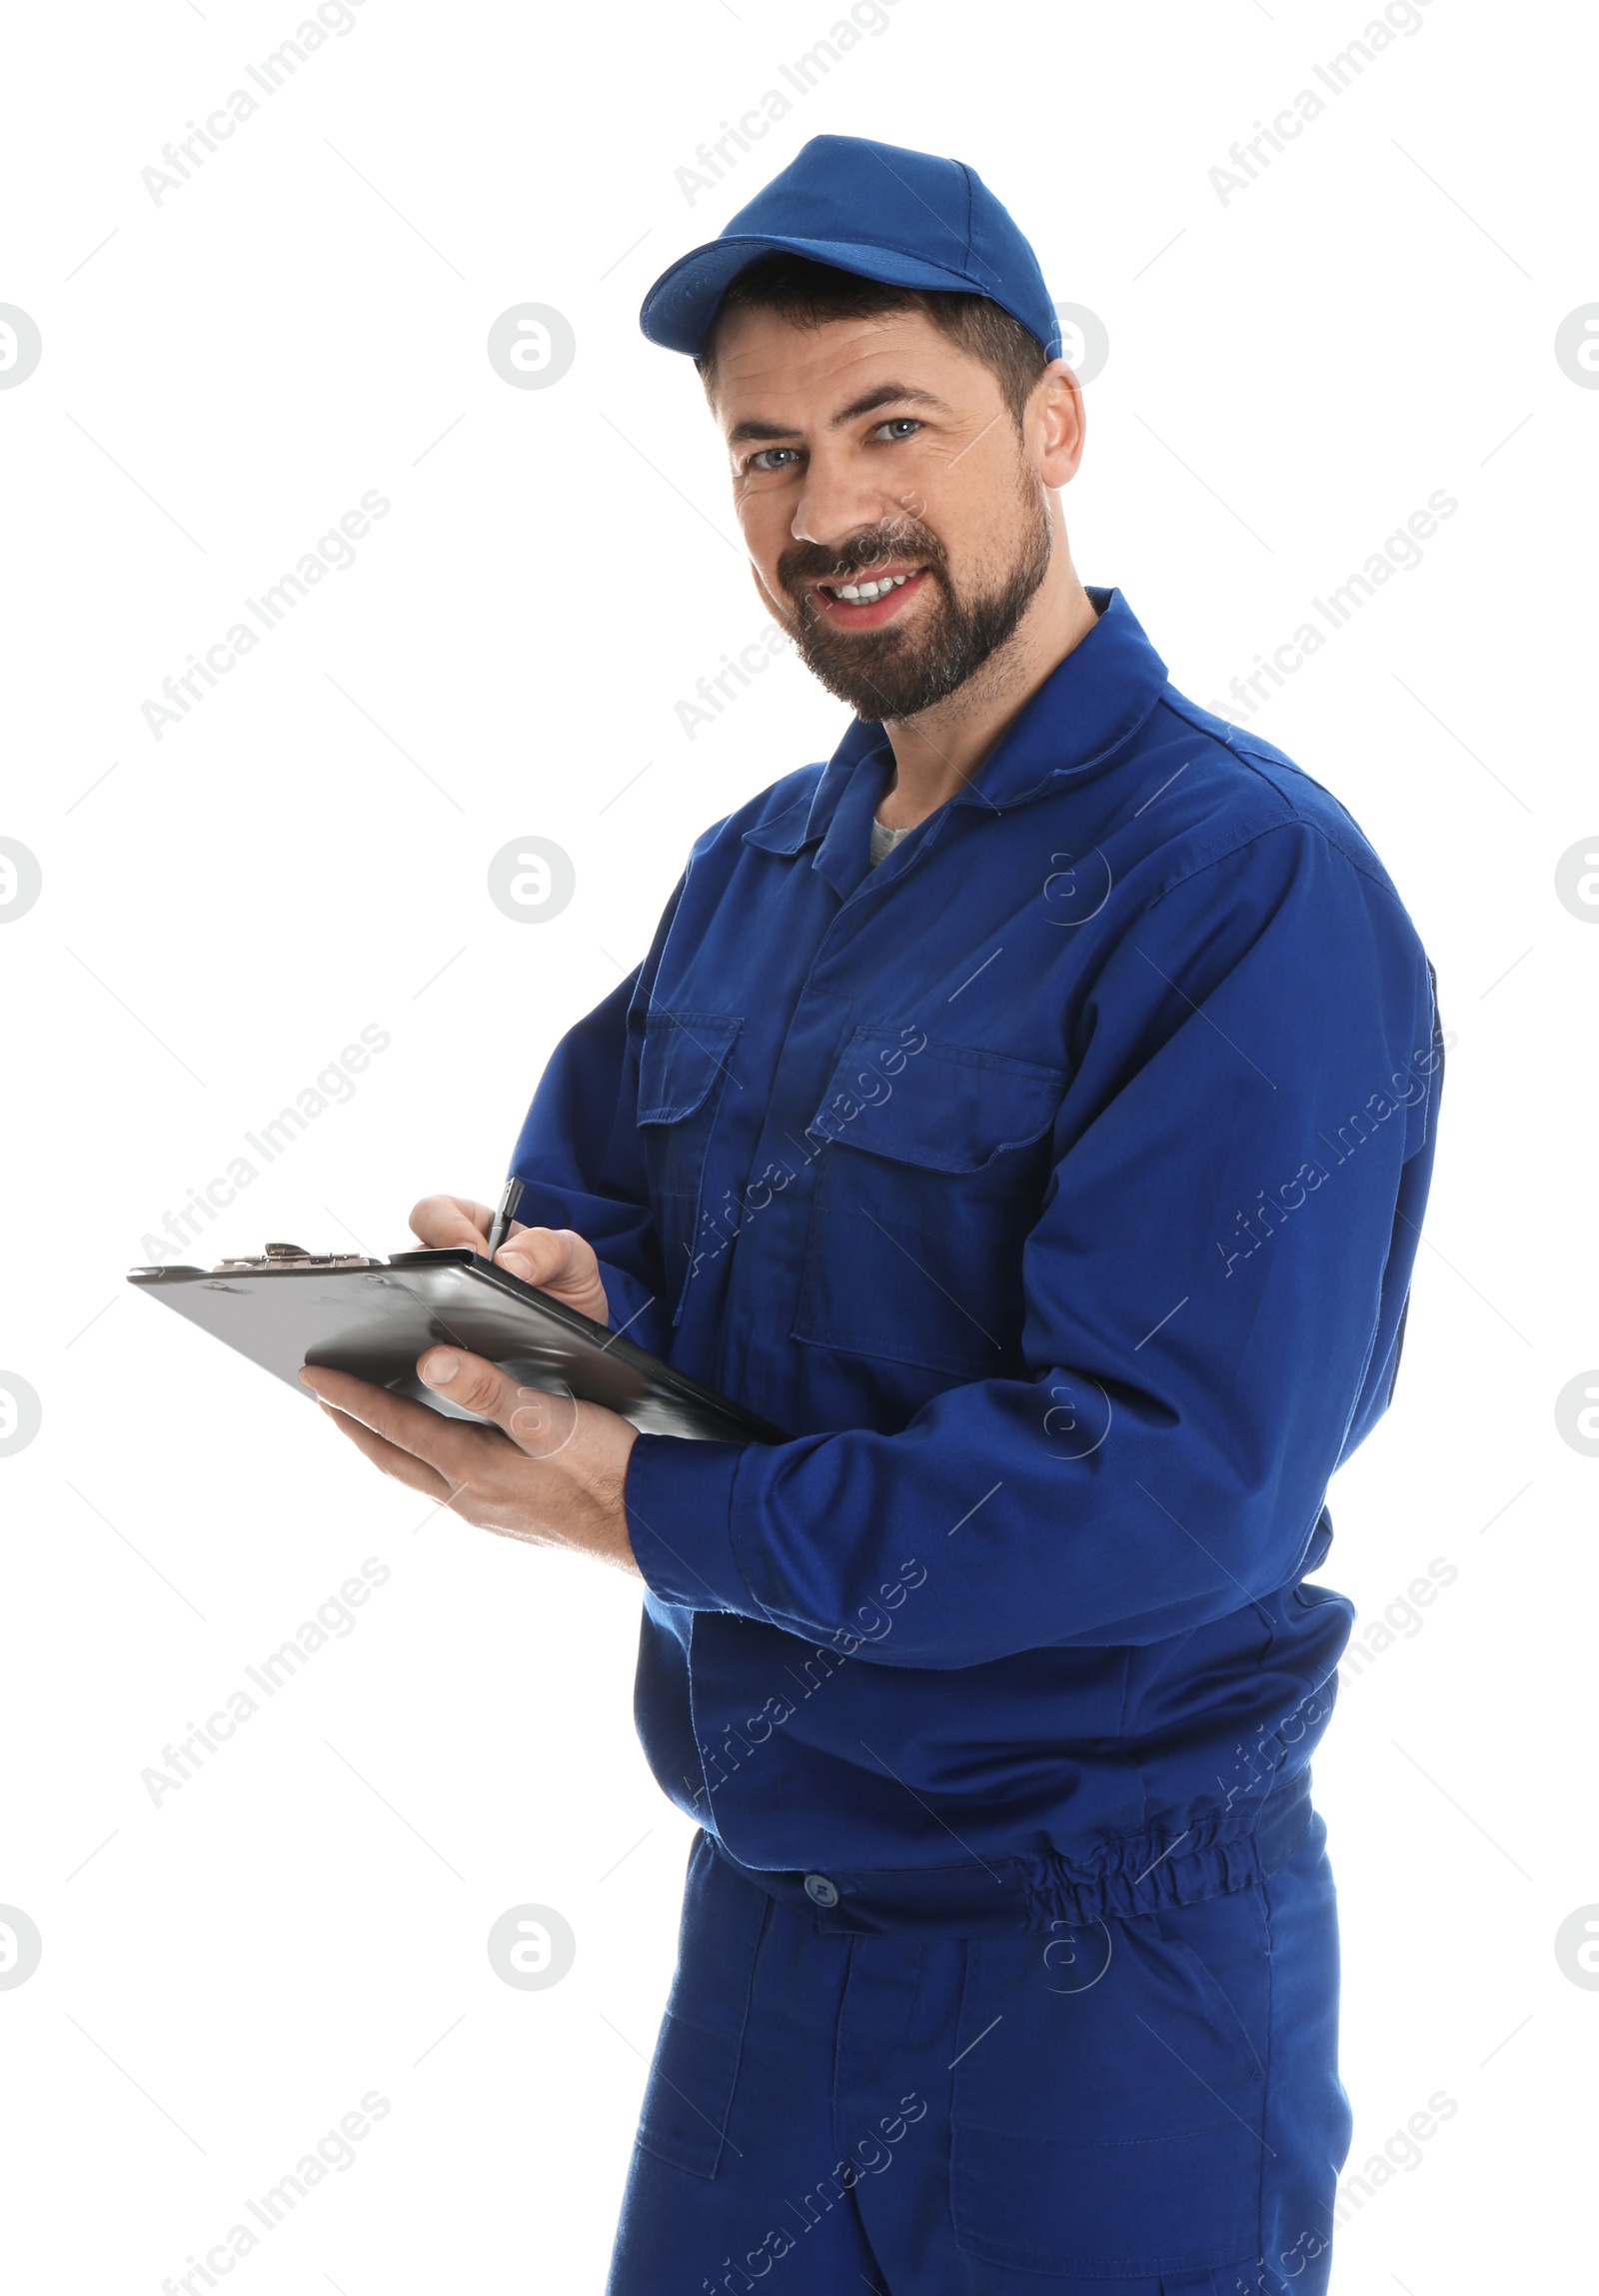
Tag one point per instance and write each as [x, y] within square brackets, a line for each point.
[550, 1470]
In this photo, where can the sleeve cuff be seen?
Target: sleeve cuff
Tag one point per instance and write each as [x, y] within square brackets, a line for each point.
[679, 1501]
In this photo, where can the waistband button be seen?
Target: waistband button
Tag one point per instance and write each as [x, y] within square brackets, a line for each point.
[821, 1890]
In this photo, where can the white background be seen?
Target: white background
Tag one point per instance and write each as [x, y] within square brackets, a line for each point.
[1291, 374]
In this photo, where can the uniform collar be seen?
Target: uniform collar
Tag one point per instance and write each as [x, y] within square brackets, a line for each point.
[1095, 699]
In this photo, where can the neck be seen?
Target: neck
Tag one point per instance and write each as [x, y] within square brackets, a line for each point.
[937, 753]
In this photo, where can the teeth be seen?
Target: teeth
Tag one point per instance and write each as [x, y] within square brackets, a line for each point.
[863, 592]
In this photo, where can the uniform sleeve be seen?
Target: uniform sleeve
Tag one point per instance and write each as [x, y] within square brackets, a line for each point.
[1215, 1296]
[579, 1158]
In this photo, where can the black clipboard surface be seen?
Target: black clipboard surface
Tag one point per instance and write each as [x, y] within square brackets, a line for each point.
[373, 1317]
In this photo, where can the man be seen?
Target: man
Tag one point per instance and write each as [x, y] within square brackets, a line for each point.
[1031, 1110]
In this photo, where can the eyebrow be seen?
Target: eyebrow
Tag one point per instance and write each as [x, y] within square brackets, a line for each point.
[884, 395]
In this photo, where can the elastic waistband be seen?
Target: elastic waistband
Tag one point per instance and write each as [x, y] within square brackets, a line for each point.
[1017, 1896]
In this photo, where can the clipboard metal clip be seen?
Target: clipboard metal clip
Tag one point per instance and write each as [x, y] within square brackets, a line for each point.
[294, 1255]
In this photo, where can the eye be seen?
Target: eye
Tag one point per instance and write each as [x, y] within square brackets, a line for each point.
[762, 461]
[900, 425]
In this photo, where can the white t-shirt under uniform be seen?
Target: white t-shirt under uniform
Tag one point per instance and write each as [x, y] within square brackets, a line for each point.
[883, 839]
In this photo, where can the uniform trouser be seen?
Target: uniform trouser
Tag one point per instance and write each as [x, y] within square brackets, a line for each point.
[1149, 2107]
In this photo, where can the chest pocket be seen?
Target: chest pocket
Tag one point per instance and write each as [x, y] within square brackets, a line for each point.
[683, 1074]
[933, 1174]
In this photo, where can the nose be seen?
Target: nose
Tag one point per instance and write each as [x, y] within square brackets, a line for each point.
[838, 503]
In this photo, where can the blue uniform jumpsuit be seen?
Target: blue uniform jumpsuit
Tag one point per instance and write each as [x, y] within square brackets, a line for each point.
[1056, 1186]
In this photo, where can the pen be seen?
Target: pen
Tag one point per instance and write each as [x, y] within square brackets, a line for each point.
[510, 1197]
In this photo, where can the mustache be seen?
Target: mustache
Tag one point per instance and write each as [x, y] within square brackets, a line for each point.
[806, 562]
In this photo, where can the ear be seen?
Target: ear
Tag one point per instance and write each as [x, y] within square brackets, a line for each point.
[1055, 423]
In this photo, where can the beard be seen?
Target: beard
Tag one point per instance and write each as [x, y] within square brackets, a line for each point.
[896, 671]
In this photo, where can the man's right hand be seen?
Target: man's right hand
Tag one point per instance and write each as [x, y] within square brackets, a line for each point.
[556, 1259]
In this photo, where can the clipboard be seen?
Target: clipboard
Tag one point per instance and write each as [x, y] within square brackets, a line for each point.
[373, 1317]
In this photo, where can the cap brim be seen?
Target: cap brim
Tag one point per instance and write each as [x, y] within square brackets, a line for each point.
[679, 309]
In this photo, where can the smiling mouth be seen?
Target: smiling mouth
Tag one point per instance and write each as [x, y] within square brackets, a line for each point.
[866, 593]
[870, 598]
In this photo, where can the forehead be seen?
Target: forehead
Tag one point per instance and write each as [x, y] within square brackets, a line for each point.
[775, 378]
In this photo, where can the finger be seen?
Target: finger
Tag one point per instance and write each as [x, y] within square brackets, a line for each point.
[559, 1261]
[401, 1464]
[541, 1254]
[538, 1423]
[453, 1451]
[447, 1222]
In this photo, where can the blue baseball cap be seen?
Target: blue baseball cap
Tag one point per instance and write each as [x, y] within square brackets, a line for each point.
[873, 209]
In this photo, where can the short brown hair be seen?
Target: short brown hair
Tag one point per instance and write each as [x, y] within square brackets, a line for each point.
[809, 294]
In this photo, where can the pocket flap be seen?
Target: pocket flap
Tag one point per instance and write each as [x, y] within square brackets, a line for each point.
[948, 1108]
[682, 1056]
